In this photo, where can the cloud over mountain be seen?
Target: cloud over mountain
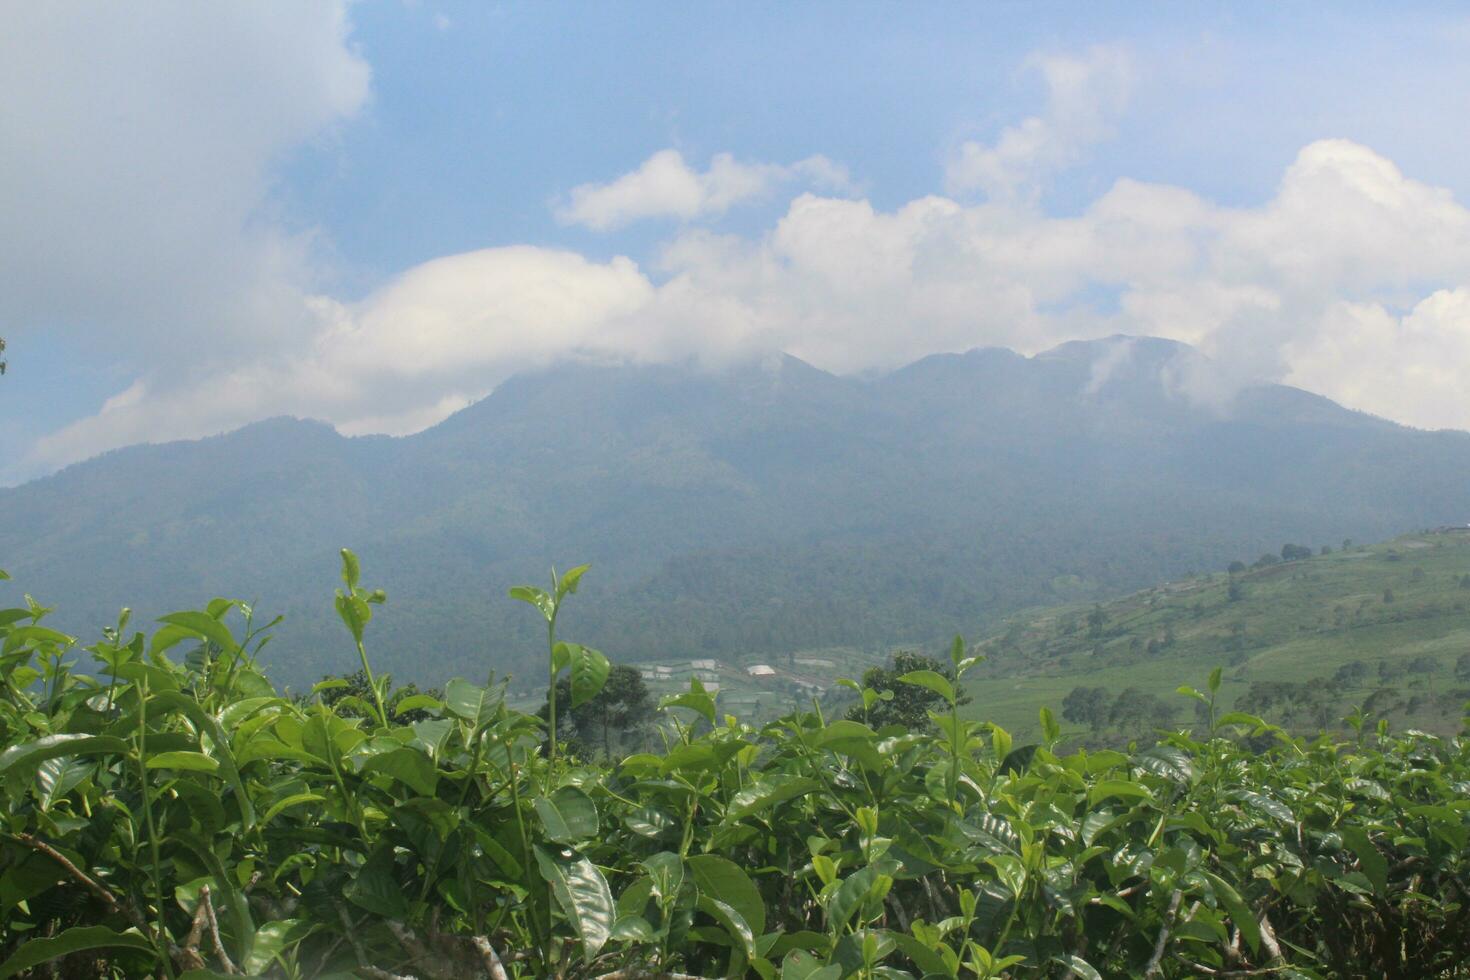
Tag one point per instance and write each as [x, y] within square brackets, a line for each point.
[147, 182]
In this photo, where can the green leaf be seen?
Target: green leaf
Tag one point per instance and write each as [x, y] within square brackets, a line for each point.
[1370, 859]
[568, 815]
[1240, 913]
[412, 767]
[932, 680]
[295, 799]
[539, 598]
[568, 582]
[801, 965]
[1050, 730]
[56, 746]
[37, 951]
[695, 699]
[1077, 965]
[207, 723]
[351, 570]
[376, 887]
[583, 894]
[415, 702]
[355, 613]
[188, 761]
[589, 672]
[1122, 788]
[665, 874]
[762, 796]
[732, 920]
[854, 892]
[204, 626]
[724, 879]
[473, 703]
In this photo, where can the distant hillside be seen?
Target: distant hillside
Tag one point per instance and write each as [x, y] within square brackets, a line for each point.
[1385, 627]
[757, 510]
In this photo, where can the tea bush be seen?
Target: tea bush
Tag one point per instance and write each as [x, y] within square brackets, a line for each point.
[174, 815]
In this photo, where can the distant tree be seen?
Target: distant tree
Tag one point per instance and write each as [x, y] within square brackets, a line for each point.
[1351, 674]
[354, 697]
[1326, 549]
[1087, 706]
[1462, 667]
[1426, 667]
[1388, 671]
[1234, 593]
[1388, 595]
[618, 717]
[1096, 620]
[1267, 560]
[1417, 575]
[1137, 711]
[1347, 543]
[911, 704]
[1295, 552]
[1236, 567]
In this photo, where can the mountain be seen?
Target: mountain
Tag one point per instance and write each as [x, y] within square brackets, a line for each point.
[763, 508]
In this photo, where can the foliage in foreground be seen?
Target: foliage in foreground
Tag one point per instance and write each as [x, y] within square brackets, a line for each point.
[174, 815]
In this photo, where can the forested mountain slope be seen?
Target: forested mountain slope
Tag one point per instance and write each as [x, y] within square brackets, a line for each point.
[761, 508]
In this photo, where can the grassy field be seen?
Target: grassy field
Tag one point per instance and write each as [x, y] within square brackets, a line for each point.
[1401, 607]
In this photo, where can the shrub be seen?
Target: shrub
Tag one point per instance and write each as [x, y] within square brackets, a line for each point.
[173, 814]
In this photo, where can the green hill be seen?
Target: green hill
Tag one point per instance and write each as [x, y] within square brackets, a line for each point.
[1385, 627]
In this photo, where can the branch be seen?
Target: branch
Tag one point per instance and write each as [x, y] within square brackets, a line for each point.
[493, 966]
[91, 884]
[1156, 961]
[219, 947]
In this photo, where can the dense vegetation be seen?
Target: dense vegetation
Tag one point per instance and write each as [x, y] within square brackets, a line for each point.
[752, 511]
[1382, 627]
[173, 815]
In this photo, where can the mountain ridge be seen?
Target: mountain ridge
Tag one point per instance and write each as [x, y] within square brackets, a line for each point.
[768, 507]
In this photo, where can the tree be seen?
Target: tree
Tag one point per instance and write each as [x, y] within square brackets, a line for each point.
[1234, 593]
[1138, 712]
[618, 717]
[1086, 706]
[1266, 560]
[1096, 620]
[1295, 552]
[1236, 567]
[1354, 673]
[353, 697]
[910, 704]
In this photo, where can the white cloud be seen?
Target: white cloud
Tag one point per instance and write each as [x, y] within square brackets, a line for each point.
[665, 186]
[1351, 280]
[139, 142]
[1301, 288]
[420, 348]
[1085, 95]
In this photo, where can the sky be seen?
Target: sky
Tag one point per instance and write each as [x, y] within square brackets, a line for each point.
[373, 213]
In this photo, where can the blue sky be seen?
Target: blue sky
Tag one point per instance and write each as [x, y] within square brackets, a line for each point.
[374, 213]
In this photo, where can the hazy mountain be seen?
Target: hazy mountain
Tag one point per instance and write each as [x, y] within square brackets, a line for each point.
[764, 508]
